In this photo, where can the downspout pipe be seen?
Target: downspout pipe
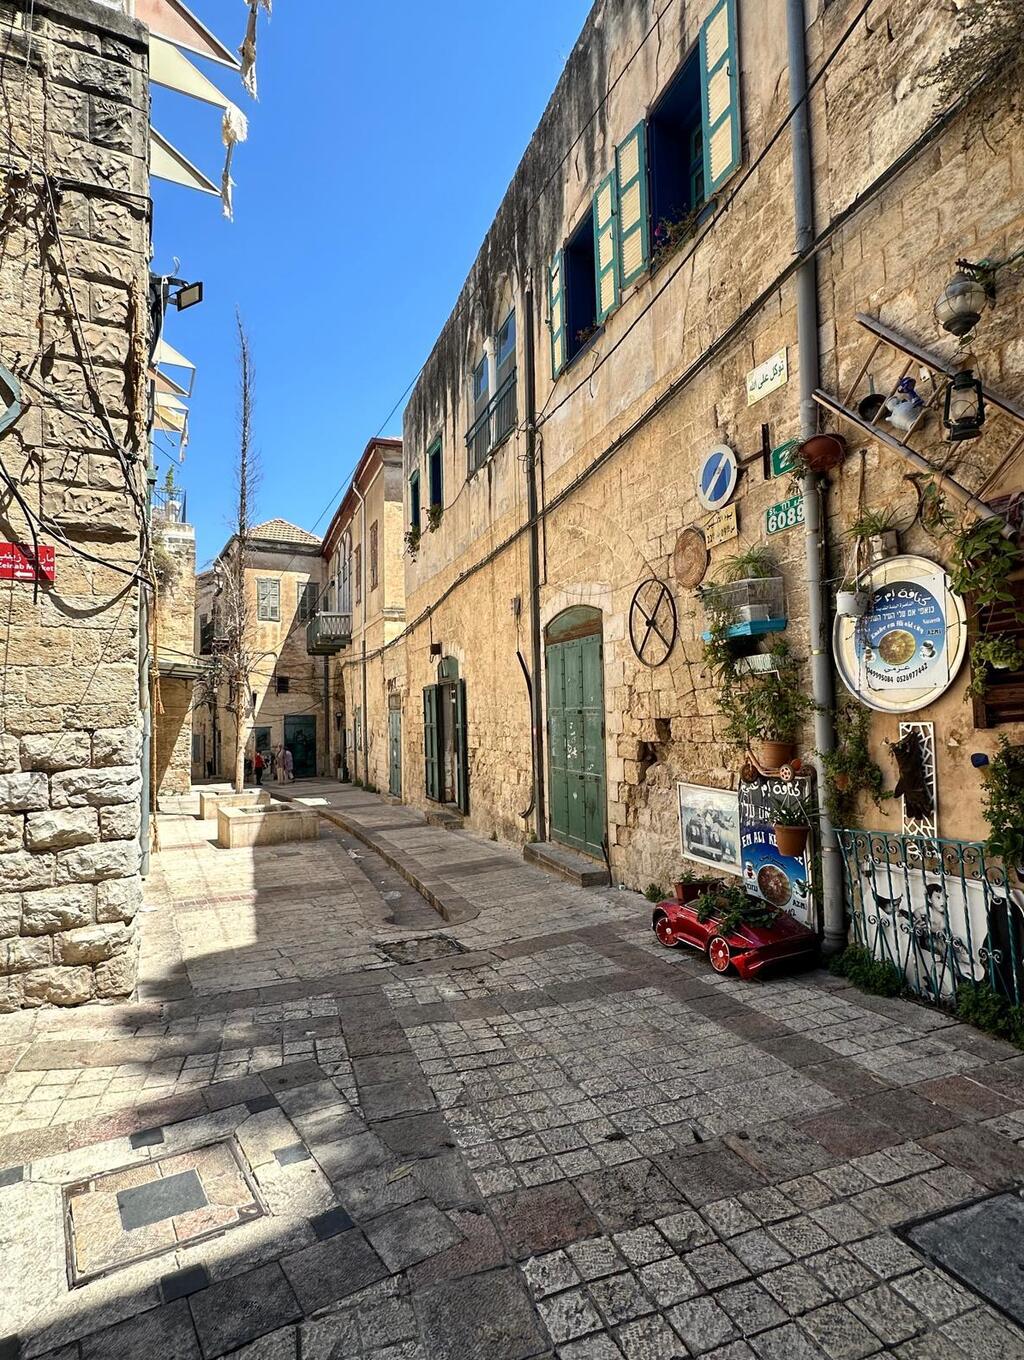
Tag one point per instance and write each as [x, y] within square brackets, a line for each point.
[363, 546]
[536, 714]
[806, 283]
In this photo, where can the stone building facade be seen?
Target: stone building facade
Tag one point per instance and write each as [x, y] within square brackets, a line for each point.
[74, 255]
[626, 299]
[282, 581]
[179, 667]
[364, 584]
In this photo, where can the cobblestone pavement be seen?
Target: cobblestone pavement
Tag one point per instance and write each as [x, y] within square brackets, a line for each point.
[334, 1126]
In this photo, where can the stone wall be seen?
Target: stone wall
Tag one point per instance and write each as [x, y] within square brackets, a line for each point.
[619, 452]
[175, 629]
[73, 328]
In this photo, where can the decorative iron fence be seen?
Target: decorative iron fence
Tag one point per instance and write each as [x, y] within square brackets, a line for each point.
[941, 911]
[493, 424]
[170, 507]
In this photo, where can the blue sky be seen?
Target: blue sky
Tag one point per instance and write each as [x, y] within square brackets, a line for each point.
[383, 140]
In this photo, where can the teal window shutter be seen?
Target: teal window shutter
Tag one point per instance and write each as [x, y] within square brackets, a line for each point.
[461, 749]
[606, 247]
[556, 312]
[634, 233]
[720, 95]
[432, 764]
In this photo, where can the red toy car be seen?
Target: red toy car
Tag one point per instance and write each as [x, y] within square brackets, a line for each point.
[748, 948]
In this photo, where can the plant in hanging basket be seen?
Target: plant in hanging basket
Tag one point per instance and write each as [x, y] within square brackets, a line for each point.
[849, 769]
[770, 708]
[791, 826]
[852, 600]
[822, 452]
[1001, 653]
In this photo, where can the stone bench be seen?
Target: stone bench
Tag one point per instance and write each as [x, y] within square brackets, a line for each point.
[210, 801]
[238, 827]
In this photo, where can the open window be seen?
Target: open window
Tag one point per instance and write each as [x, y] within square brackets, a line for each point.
[435, 476]
[580, 287]
[414, 502]
[675, 141]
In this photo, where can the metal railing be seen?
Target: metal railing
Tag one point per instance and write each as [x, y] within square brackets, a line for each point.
[327, 632]
[169, 507]
[493, 424]
[943, 912]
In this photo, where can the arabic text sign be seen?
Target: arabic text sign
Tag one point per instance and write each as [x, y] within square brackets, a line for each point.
[782, 880]
[766, 377]
[721, 527]
[18, 562]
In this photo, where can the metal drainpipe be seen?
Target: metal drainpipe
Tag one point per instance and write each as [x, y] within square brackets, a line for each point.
[146, 755]
[327, 717]
[807, 348]
[536, 714]
[362, 605]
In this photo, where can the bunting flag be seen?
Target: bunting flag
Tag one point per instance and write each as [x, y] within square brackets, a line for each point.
[168, 67]
[175, 22]
[167, 162]
[169, 413]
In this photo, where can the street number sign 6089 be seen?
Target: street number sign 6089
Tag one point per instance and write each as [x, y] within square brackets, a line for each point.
[785, 515]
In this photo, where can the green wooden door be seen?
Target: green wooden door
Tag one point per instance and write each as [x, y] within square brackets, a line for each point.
[300, 739]
[576, 743]
[395, 752]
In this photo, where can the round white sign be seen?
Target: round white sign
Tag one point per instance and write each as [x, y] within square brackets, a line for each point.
[907, 649]
[716, 480]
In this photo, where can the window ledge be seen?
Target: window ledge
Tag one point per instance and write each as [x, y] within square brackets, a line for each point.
[588, 344]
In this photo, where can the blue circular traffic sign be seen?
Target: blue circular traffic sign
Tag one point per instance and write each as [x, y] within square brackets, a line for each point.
[717, 478]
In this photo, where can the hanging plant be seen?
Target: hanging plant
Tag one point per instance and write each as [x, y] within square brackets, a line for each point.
[412, 541]
[982, 560]
[849, 770]
[791, 826]
[435, 514]
[1001, 653]
[1003, 805]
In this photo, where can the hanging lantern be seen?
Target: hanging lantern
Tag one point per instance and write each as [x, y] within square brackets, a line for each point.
[959, 308]
[964, 412]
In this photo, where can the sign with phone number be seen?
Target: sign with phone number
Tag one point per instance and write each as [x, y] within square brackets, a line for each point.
[785, 515]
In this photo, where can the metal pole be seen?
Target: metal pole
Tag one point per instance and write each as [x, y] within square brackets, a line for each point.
[806, 280]
[327, 717]
[536, 714]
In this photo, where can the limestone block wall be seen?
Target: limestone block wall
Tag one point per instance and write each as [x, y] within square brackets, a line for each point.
[73, 279]
[175, 627]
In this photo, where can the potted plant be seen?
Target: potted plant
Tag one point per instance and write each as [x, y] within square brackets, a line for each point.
[876, 530]
[747, 590]
[852, 600]
[790, 826]
[730, 906]
[1003, 805]
[770, 709]
[689, 886]
[1000, 652]
[412, 541]
[849, 769]
[822, 452]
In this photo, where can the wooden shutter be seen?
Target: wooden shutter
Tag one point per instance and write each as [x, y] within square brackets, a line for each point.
[720, 95]
[606, 247]
[556, 312]
[461, 749]
[432, 764]
[633, 223]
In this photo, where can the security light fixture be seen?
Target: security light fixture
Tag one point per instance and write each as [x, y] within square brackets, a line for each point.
[188, 294]
[959, 308]
[964, 412]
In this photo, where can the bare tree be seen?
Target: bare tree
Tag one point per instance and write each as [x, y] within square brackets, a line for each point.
[233, 610]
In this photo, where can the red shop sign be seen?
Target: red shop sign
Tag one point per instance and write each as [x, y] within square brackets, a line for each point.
[18, 562]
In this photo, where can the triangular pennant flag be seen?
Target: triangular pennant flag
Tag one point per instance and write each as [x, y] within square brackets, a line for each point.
[167, 162]
[169, 68]
[174, 21]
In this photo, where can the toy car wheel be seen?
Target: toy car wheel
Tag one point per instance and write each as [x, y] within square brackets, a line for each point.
[665, 932]
[719, 955]
[786, 772]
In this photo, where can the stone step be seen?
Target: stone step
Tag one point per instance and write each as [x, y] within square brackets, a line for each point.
[442, 817]
[557, 859]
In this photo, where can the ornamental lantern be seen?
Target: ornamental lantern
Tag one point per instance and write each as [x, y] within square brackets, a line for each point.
[964, 412]
[959, 308]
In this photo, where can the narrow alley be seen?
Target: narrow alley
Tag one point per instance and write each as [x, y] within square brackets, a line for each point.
[363, 1130]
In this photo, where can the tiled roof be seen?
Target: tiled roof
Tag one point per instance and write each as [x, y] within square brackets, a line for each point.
[280, 531]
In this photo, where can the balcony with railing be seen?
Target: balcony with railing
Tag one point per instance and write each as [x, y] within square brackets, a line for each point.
[327, 632]
[169, 505]
[493, 425]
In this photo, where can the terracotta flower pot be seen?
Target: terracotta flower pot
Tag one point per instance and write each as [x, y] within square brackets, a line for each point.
[689, 892]
[791, 840]
[842, 782]
[823, 451]
[773, 754]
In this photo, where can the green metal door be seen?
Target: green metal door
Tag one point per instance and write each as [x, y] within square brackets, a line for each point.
[576, 743]
[395, 752]
[300, 739]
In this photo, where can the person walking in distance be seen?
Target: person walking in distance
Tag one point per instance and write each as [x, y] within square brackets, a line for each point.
[289, 766]
[258, 764]
[275, 764]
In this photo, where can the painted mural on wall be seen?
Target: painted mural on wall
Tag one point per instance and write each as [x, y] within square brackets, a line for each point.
[709, 827]
[939, 929]
[907, 649]
[782, 880]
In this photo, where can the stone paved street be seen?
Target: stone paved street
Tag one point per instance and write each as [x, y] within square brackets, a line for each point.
[338, 1124]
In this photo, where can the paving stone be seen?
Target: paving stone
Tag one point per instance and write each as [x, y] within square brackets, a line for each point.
[260, 1103]
[933, 1294]
[849, 1132]
[630, 1195]
[980, 1334]
[885, 1255]
[982, 1153]
[668, 1282]
[549, 1273]
[650, 1338]
[417, 1134]
[715, 1266]
[147, 1138]
[330, 1223]
[411, 1234]
[968, 1098]
[295, 1152]
[598, 1346]
[181, 1283]
[241, 1308]
[702, 1324]
[759, 1251]
[785, 1343]
[568, 1315]
[800, 1236]
[332, 1270]
[596, 1257]
[480, 1249]
[376, 1190]
[886, 1314]
[779, 1151]
[930, 1346]
[797, 1290]
[709, 1174]
[839, 1333]
[543, 1218]
[279, 1345]
[620, 1298]
[166, 1332]
[445, 1180]
[485, 1315]
[11, 1175]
